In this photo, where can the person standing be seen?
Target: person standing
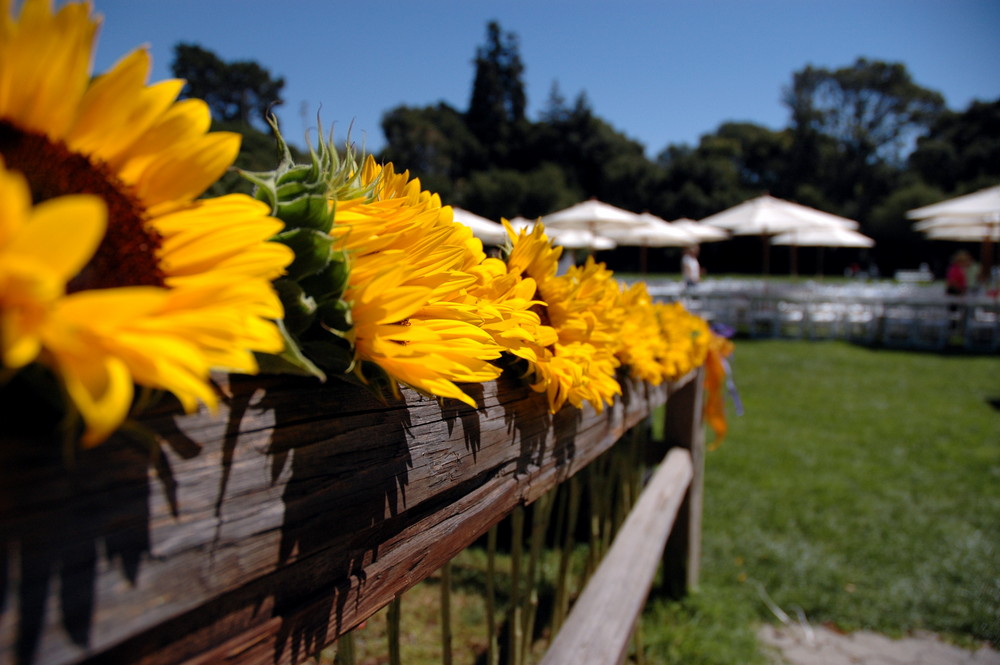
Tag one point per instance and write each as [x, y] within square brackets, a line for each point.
[956, 278]
[690, 268]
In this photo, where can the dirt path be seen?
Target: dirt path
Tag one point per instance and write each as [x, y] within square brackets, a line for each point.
[816, 645]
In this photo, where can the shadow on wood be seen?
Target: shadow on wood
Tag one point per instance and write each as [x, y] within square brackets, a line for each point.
[262, 533]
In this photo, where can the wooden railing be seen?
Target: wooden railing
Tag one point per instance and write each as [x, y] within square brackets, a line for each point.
[263, 532]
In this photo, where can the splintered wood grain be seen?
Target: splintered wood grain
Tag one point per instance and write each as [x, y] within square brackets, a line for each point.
[263, 531]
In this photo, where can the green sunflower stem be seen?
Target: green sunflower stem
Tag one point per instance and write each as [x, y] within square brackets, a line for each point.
[345, 649]
[514, 608]
[608, 502]
[539, 525]
[492, 650]
[559, 508]
[393, 617]
[640, 656]
[566, 553]
[446, 636]
[594, 542]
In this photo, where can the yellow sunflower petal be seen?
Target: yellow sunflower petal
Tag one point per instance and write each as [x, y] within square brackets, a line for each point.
[187, 169]
[44, 64]
[118, 108]
[101, 388]
[63, 233]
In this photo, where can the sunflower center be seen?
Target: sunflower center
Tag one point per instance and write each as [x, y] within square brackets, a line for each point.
[127, 253]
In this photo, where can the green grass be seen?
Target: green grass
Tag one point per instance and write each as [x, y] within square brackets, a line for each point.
[861, 486]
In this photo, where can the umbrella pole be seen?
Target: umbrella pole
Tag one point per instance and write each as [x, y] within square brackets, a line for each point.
[795, 260]
[642, 258]
[766, 249]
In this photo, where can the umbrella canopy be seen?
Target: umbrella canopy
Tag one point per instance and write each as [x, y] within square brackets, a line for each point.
[968, 227]
[651, 232]
[823, 236]
[964, 233]
[579, 239]
[592, 215]
[983, 204]
[768, 216]
[486, 230]
[700, 231]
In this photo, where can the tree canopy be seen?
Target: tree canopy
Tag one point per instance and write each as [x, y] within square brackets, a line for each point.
[240, 91]
[864, 141]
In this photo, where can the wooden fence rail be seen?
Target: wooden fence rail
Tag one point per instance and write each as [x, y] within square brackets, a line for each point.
[263, 532]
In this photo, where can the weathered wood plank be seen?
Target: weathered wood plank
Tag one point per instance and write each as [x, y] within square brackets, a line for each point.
[267, 530]
[683, 428]
[600, 624]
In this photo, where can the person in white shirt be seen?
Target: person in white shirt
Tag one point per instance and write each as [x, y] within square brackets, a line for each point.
[690, 268]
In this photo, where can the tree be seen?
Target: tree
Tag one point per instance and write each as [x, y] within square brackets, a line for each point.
[852, 129]
[240, 91]
[433, 142]
[738, 161]
[961, 152]
[598, 160]
[498, 102]
[497, 193]
[872, 108]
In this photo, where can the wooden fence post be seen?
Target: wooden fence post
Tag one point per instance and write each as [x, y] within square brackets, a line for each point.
[683, 429]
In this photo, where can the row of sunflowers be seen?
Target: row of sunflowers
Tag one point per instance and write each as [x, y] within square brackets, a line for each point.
[115, 274]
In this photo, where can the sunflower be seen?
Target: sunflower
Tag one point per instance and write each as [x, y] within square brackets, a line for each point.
[573, 358]
[644, 347]
[688, 337]
[175, 286]
[411, 268]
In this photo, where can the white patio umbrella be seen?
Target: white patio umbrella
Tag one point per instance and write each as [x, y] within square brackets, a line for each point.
[983, 204]
[652, 232]
[700, 231]
[579, 239]
[767, 216]
[490, 232]
[592, 215]
[963, 233]
[981, 208]
[574, 241]
[821, 236]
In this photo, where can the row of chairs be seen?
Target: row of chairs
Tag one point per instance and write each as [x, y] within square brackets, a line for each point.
[921, 325]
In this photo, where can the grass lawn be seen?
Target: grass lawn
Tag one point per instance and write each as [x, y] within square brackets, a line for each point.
[861, 488]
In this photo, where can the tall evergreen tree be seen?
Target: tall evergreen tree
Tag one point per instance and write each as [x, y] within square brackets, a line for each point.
[497, 105]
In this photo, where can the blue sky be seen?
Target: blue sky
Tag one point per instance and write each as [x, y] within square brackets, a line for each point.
[660, 72]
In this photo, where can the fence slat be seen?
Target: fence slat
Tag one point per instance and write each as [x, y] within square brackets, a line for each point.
[684, 428]
[600, 624]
